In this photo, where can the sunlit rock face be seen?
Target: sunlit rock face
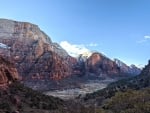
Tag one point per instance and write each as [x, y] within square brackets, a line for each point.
[8, 73]
[100, 65]
[33, 52]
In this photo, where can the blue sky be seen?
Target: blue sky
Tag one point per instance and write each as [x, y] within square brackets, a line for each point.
[117, 28]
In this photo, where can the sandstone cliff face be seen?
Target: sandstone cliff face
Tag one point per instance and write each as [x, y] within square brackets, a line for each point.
[8, 73]
[101, 65]
[34, 54]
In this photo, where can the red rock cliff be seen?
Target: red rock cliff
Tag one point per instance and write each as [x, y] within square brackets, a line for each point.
[101, 65]
[34, 54]
[8, 73]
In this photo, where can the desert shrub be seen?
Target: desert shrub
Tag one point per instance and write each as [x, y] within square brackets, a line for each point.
[130, 101]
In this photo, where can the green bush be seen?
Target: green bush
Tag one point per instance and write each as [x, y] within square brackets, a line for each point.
[131, 101]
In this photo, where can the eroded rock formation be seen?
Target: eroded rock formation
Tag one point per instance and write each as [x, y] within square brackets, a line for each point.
[100, 65]
[8, 73]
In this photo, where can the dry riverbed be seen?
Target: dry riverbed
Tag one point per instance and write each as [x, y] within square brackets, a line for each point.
[88, 87]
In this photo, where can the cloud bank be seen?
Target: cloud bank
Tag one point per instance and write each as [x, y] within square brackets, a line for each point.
[147, 37]
[75, 49]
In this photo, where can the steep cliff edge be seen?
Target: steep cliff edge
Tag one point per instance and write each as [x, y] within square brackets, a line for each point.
[101, 65]
[34, 54]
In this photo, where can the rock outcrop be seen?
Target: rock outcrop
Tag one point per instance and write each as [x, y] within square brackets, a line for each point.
[125, 69]
[8, 73]
[34, 54]
[100, 65]
[146, 70]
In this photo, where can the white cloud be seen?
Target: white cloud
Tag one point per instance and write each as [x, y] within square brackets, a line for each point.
[92, 45]
[73, 49]
[147, 37]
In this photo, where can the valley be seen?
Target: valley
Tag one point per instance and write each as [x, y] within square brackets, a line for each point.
[84, 88]
[42, 77]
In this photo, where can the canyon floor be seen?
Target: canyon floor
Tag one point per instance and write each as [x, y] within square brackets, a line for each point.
[84, 88]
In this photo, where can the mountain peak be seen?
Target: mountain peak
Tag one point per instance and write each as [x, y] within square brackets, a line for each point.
[11, 28]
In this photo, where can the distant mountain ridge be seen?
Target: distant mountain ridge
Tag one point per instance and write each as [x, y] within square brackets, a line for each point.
[124, 68]
[37, 58]
[101, 65]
